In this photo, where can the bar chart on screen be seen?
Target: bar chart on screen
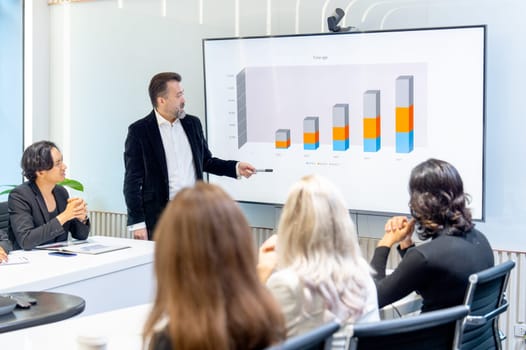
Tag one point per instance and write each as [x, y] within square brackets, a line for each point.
[346, 113]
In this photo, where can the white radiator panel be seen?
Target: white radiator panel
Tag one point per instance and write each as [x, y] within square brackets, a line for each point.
[261, 234]
[108, 224]
[516, 294]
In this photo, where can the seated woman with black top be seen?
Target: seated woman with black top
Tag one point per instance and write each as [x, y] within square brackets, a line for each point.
[439, 269]
[208, 292]
[40, 211]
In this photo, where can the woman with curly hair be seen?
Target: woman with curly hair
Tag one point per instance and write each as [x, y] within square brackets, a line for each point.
[439, 269]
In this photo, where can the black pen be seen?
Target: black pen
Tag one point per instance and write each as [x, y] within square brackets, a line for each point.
[264, 170]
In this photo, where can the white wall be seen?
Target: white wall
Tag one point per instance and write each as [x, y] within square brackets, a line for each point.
[11, 106]
[36, 71]
[103, 54]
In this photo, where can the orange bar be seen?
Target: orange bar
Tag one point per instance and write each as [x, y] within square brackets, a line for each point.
[311, 137]
[371, 127]
[404, 119]
[283, 144]
[340, 133]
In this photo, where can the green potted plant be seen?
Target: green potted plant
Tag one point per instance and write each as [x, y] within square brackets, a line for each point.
[74, 184]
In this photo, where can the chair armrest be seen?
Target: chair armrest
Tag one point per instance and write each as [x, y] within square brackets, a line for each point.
[480, 320]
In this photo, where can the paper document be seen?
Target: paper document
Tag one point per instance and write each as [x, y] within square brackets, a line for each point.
[14, 260]
[63, 244]
[83, 247]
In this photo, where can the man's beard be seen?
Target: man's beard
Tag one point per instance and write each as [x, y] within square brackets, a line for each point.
[181, 113]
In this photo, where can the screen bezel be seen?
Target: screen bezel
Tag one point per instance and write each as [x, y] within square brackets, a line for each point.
[483, 27]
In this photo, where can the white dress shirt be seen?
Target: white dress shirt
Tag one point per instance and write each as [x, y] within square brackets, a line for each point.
[179, 159]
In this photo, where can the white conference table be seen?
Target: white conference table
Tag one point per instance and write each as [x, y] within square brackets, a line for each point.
[122, 329]
[105, 281]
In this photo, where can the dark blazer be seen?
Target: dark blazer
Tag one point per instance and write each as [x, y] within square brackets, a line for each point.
[30, 223]
[146, 188]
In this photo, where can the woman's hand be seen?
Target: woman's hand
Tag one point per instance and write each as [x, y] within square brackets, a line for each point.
[76, 208]
[398, 229]
[3, 255]
[267, 259]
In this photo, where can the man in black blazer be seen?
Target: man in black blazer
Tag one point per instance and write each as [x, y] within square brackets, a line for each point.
[165, 151]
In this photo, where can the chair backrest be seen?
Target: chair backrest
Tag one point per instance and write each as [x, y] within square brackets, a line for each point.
[486, 300]
[434, 330]
[316, 339]
[4, 216]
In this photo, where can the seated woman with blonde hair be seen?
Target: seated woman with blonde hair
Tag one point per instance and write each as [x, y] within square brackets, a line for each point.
[320, 272]
[208, 292]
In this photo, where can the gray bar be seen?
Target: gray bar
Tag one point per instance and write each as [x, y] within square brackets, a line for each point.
[241, 108]
[311, 124]
[371, 103]
[404, 91]
[282, 134]
[340, 115]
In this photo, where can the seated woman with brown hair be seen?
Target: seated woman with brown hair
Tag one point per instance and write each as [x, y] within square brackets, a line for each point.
[208, 293]
[438, 269]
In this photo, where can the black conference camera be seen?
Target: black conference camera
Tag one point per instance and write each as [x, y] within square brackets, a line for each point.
[332, 21]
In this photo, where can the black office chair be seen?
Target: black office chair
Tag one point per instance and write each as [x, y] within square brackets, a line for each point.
[316, 339]
[435, 330]
[486, 300]
[4, 216]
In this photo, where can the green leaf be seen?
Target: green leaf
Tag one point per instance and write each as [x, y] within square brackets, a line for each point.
[8, 190]
[74, 184]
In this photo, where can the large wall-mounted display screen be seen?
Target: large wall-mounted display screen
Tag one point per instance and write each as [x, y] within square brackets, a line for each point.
[360, 108]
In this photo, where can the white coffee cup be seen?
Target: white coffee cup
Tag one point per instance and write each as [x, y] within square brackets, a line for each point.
[91, 342]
